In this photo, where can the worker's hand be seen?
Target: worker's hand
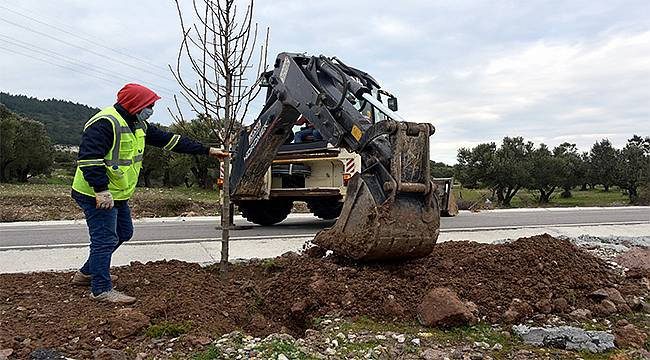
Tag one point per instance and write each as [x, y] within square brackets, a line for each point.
[104, 200]
[218, 153]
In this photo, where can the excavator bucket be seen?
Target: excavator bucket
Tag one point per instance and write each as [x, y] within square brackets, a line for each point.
[389, 213]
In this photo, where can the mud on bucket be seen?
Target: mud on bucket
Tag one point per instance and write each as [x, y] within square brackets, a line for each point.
[404, 226]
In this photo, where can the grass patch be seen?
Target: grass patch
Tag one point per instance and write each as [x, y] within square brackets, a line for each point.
[212, 352]
[272, 349]
[527, 198]
[167, 328]
[272, 264]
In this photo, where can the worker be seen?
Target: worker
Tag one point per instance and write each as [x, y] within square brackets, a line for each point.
[307, 132]
[110, 158]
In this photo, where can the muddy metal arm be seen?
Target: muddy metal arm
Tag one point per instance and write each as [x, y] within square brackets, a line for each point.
[318, 88]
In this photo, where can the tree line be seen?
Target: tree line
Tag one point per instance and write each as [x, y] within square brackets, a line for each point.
[518, 164]
[26, 150]
[63, 120]
[25, 147]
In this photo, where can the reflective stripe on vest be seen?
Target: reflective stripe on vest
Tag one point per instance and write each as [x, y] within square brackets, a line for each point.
[122, 172]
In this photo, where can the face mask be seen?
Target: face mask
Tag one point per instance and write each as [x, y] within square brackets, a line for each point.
[144, 114]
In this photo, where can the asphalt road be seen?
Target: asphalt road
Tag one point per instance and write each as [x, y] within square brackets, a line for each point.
[301, 225]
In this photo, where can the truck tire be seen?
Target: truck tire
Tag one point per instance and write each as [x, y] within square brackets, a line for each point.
[265, 212]
[326, 208]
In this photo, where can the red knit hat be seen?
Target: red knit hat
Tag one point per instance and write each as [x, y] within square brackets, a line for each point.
[134, 97]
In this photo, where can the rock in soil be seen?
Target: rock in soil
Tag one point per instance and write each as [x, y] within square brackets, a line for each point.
[630, 336]
[517, 311]
[47, 354]
[127, 322]
[5, 353]
[442, 307]
[637, 258]
[109, 354]
[565, 337]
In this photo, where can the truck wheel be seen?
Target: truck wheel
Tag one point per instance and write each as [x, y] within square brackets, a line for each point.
[265, 212]
[326, 209]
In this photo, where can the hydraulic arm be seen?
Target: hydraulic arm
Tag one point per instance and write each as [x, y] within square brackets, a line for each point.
[391, 210]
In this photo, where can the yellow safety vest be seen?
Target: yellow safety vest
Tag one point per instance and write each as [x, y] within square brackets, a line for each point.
[123, 162]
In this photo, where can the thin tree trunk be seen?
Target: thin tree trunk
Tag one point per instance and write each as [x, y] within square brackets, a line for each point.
[225, 205]
[225, 218]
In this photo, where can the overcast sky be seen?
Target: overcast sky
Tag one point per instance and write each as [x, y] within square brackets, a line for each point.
[550, 71]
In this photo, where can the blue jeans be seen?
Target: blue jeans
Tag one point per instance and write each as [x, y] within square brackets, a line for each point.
[299, 137]
[108, 229]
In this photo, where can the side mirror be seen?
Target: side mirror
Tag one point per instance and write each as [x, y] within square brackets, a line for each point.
[392, 103]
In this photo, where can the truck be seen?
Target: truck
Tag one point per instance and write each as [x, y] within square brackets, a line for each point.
[365, 165]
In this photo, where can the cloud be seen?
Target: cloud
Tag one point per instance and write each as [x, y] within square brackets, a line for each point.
[478, 70]
[543, 90]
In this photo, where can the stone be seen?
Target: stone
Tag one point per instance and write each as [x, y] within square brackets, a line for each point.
[481, 344]
[433, 354]
[476, 355]
[315, 252]
[565, 337]
[634, 302]
[473, 308]
[598, 295]
[605, 308]
[629, 336]
[457, 353]
[299, 307]
[580, 314]
[622, 323]
[560, 305]
[393, 307]
[645, 307]
[127, 322]
[109, 354]
[442, 307]
[47, 354]
[201, 340]
[544, 306]
[610, 294]
[5, 353]
[517, 312]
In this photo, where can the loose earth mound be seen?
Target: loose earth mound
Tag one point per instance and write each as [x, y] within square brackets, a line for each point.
[287, 293]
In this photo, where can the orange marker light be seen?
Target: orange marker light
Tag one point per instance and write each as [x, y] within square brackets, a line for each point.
[346, 178]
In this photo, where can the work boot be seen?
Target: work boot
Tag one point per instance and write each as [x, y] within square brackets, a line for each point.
[82, 279]
[114, 296]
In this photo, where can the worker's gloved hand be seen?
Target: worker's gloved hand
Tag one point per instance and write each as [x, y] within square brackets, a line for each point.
[218, 153]
[104, 200]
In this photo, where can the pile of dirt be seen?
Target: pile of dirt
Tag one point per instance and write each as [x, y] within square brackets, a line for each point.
[287, 293]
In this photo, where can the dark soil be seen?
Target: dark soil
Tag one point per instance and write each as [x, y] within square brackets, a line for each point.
[287, 293]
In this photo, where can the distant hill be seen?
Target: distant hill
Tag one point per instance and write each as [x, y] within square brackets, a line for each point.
[63, 119]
